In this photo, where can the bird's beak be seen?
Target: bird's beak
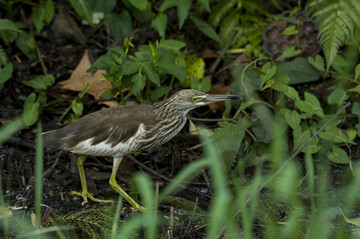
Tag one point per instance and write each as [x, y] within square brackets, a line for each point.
[207, 99]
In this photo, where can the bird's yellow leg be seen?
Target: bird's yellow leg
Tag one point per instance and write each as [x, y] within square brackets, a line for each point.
[117, 188]
[85, 193]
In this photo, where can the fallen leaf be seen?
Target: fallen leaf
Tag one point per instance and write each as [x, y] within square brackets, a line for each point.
[5, 211]
[33, 219]
[80, 78]
[218, 106]
[207, 53]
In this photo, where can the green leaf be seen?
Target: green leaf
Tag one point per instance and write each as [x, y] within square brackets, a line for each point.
[336, 20]
[105, 7]
[151, 73]
[144, 53]
[183, 9]
[83, 9]
[77, 107]
[112, 59]
[291, 93]
[268, 71]
[338, 97]
[102, 63]
[204, 85]
[357, 126]
[153, 52]
[159, 92]
[338, 155]
[140, 4]
[357, 71]
[37, 16]
[168, 4]
[270, 83]
[310, 105]
[299, 71]
[288, 53]
[279, 83]
[42, 13]
[292, 118]
[130, 68]
[229, 25]
[333, 134]
[173, 46]
[26, 43]
[160, 24]
[291, 30]
[7, 25]
[351, 133]
[175, 70]
[318, 63]
[31, 110]
[120, 24]
[3, 57]
[166, 62]
[49, 11]
[229, 136]
[40, 82]
[206, 4]
[300, 137]
[313, 147]
[355, 89]
[6, 72]
[356, 109]
[138, 83]
[205, 28]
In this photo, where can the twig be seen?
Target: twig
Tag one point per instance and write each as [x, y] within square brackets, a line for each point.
[41, 60]
[166, 179]
[146, 168]
[222, 53]
[49, 171]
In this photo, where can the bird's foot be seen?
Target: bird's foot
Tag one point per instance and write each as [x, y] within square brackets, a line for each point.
[86, 195]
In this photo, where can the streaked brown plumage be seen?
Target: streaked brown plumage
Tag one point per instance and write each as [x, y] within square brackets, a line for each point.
[120, 130]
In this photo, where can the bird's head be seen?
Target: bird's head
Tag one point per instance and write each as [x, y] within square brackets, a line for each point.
[186, 100]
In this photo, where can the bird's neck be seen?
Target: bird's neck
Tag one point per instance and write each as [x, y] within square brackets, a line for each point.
[166, 109]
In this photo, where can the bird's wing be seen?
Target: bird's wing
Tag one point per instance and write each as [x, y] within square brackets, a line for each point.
[108, 128]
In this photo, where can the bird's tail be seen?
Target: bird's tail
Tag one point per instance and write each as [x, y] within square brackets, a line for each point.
[51, 139]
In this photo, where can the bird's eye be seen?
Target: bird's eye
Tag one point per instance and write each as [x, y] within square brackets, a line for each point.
[194, 99]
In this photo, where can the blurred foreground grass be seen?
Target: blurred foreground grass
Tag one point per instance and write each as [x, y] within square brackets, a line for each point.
[299, 202]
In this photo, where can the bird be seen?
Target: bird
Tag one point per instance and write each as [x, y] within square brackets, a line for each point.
[120, 130]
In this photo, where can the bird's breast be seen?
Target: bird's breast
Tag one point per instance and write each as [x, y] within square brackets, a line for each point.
[160, 133]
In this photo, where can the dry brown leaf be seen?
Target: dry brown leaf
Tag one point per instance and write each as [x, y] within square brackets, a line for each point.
[5, 211]
[33, 219]
[80, 78]
[218, 89]
[207, 53]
